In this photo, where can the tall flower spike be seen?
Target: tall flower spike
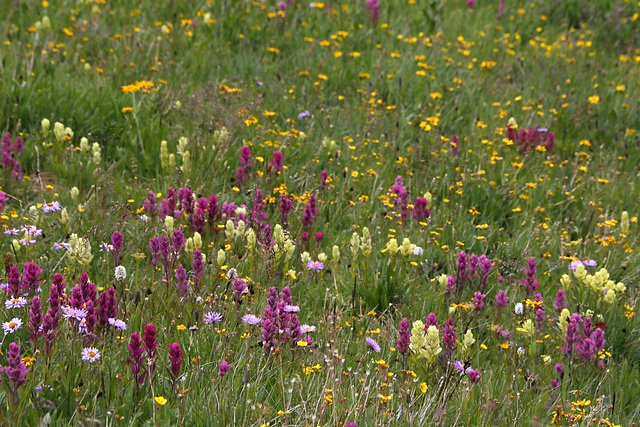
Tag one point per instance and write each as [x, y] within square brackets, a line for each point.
[35, 321]
[197, 268]
[16, 371]
[117, 242]
[175, 357]
[150, 345]
[136, 358]
[310, 212]
[404, 339]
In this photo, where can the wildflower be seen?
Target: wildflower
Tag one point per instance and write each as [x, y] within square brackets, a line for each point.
[51, 207]
[373, 344]
[160, 400]
[291, 308]
[307, 328]
[121, 273]
[418, 251]
[527, 328]
[467, 341]
[404, 339]
[519, 308]
[15, 303]
[560, 302]
[117, 323]
[310, 212]
[231, 274]
[530, 282]
[106, 247]
[251, 319]
[315, 265]
[12, 325]
[212, 317]
[460, 367]
[73, 313]
[16, 370]
[175, 356]
[223, 368]
[624, 222]
[60, 245]
[502, 300]
[449, 336]
[304, 114]
[373, 9]
[420, 210]
[136, 351]
[90, 354]
[117, 242]
[474, 376]
[478, 301]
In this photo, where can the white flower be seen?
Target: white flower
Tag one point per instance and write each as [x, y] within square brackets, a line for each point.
[232, 273]
[520, 351]
[121, 273]
[418, 251]
[144, 218]
[519, 308]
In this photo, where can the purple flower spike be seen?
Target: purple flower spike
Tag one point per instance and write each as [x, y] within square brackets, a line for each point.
[223, 368]
[175, 356]
[404, 336]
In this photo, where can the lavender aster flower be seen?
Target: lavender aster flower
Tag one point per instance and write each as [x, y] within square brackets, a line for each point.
[15, 303]
[117, 323]
[315, 265]
[291, 308]
[305, 329]
[51, 207]
[251, 319]
[212, 317]
[373, 344]
[12, 325]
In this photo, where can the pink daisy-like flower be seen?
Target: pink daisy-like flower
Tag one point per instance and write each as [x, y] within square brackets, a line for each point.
[90, 354]
[15, 303]
[12, 325]
[291, 308]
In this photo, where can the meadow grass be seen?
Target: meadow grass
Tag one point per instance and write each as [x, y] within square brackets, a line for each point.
[447, 192]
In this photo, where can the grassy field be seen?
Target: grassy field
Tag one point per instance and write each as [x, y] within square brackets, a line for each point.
[264, 213]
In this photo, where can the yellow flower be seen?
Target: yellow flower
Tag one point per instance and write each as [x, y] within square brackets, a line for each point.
[382, 363]
[160, 400]
[581, 403]
[302, 343]
[127, 109]
[533, 304]
[465, 307]
[423, 387]
[595, 99]
[181, 328]
[28, 361]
